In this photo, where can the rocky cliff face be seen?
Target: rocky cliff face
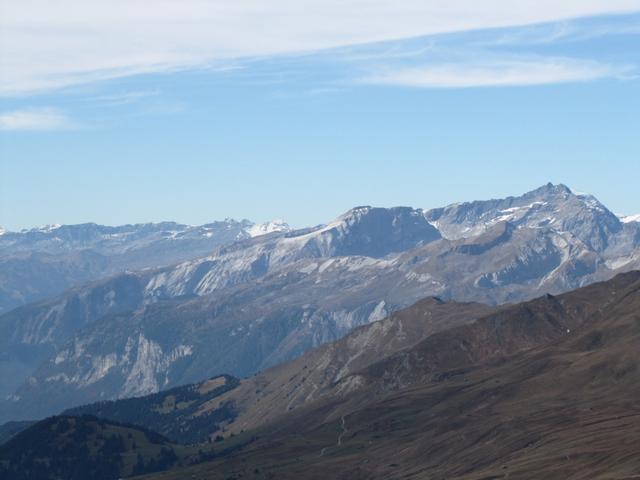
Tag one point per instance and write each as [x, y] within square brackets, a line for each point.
[264, 300]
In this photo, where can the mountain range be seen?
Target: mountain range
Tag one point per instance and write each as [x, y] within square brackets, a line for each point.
[255, 302]
[42, 262]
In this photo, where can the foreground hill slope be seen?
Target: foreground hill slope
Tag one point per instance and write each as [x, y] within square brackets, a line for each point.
[79, 448]
[327, 371]
[411, 347]
[551, 393]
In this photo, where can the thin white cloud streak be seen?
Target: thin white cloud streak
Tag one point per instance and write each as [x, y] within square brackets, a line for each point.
[567, 31]
[126, 98]
[46, 45]
[497, 73]
[42, 119]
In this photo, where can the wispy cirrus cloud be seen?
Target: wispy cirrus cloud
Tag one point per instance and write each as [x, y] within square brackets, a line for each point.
[125, 98]
[50, 45]
[40, 119]
[496, 72]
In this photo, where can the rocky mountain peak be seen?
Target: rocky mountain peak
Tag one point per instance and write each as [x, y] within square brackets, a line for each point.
[555, 207]
[551, 189]
[377, 232]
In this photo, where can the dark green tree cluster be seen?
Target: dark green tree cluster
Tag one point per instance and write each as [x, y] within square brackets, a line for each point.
[165, 460]
[78, 448]
[179, 424]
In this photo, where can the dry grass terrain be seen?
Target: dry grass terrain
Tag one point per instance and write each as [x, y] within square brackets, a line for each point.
[547, 389]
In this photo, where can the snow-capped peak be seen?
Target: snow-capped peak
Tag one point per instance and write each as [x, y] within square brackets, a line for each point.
[277, 225]
[629, 218]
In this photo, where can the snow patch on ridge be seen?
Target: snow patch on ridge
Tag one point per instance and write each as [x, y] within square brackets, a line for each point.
[277, 225]
[629, 218]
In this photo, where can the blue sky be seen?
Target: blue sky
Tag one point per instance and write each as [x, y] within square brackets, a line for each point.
[490, 108]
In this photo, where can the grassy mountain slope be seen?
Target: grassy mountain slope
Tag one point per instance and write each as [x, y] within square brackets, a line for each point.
[551, 393]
